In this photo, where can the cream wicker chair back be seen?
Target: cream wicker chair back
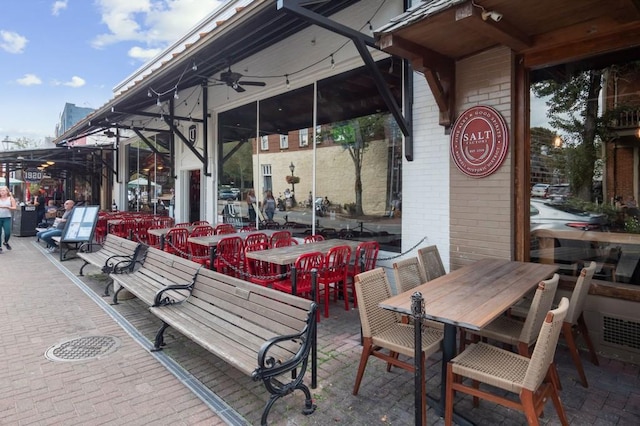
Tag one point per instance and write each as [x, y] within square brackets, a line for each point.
[512, 331]
[575, 321]
[408, 274]
[531, 379]
[429, 258]
[383, 331]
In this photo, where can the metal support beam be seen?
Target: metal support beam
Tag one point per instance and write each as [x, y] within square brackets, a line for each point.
[205, 128]
[361, 42]
[155, 115]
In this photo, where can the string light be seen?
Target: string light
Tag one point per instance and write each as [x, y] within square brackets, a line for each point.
[175, 94]
[370, 26]
[158, 101]
[194, 67]
[149, 92]
[333, 62]
[286, 80]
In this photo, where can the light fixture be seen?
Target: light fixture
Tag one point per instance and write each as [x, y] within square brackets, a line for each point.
[491, 14]
[333, 62]
[40, 168]
[194, 67]
[51, 163]
[557, 142]
[286, 80]
[175, 94]
[158, 101]
[292, 167]
[638, 132]
[149, 92]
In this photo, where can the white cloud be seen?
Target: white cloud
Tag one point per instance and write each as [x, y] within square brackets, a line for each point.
[143, 54]
[58, 6]
[12, 42]
[29, 80]
[154, 23]
[75, 82]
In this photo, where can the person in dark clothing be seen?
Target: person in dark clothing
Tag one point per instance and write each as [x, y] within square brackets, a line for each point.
[40, 201]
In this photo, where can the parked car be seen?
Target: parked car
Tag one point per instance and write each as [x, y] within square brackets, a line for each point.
[559, 192]
[227, 195]
[540, 190]
[553, 215]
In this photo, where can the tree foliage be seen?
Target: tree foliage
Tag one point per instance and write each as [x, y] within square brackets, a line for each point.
[573, 110]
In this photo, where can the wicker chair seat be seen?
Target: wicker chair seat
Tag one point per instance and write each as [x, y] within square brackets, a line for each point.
[400, 338]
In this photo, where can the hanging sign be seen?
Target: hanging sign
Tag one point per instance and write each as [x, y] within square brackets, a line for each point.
[33, 175]
[479, 141]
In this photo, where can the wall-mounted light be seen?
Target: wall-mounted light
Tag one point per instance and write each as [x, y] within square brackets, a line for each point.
[638, 132]
[491, 14]
[51, 163]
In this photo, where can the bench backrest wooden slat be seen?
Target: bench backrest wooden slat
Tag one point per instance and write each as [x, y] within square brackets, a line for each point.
[167, 267]
[284, 315]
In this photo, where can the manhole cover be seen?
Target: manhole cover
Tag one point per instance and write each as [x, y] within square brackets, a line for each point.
[83, 348]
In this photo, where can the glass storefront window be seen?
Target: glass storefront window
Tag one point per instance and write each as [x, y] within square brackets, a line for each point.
[356, 158]
[150, 183]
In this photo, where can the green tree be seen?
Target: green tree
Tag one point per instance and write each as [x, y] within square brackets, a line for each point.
[573, 110]
[354, 136]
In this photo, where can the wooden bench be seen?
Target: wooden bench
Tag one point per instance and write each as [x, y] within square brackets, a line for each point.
[159, 271]
[264, 333]
[66, 248]
[114, 255]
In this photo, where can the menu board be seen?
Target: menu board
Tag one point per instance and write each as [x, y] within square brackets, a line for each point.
[81, 224]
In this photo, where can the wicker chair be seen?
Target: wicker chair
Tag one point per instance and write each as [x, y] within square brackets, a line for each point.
[514, 332]
[530, 378]
[575, 320]
[383, 330]
[409, 274]
[431, 263]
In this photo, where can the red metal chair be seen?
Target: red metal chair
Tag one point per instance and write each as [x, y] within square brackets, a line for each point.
[258, 271]
[365, 260]
[334, 275]
[257, 238]
[304, 264]
[153, 240]
[202, 231]
[285, 243]
[224, 228]
[313, 238]
[101, 228]
[279, 235]
[182, 225]
[200, 222]
[229, 256]
[175, 242]
[163, 222]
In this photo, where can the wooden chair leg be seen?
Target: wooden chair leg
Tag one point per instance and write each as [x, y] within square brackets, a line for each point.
[366, 351]
[582, 327]
[555, 376]
[529, 408]
[567, 332]
[555, 398]
[448, 408]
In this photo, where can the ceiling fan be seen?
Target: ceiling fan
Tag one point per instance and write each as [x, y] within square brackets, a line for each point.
[232, 79]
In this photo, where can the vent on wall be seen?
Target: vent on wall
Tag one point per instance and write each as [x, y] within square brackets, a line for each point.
[621, 333]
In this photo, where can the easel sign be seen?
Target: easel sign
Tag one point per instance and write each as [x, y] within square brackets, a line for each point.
[81, 225]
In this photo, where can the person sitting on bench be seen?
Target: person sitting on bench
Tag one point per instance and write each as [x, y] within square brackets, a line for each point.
[57, 227]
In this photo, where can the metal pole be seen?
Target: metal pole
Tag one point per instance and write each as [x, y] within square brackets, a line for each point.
[417, 311]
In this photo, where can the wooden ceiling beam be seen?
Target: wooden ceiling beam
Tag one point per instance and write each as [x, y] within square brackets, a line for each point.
[438, 70]
[502, 31]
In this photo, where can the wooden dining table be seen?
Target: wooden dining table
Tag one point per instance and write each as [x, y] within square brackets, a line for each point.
[212, 241]
[469, 297]
[287, 255]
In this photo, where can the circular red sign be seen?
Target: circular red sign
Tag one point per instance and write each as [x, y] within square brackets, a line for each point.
[479, 141]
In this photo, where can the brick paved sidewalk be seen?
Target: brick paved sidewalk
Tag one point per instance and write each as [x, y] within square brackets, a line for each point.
[58, 310]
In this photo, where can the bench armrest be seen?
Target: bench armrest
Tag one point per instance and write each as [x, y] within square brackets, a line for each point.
[164, 300]
[269, 367]
[118, 263]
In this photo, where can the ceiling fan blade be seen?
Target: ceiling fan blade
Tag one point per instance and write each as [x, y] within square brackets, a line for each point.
[238, 88]
[253, 83]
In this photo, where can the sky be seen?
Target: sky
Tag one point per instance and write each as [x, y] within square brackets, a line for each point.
[76, 51]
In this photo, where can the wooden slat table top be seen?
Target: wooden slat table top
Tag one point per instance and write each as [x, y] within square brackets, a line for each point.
[476, 294]
[288, 255]
[160, 232]
[213, 240]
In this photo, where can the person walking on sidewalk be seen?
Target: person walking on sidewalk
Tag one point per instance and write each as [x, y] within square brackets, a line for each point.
[7, 204]
[57, 228]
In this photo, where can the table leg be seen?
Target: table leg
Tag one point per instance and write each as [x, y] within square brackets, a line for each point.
[161, 242]
[212, 255]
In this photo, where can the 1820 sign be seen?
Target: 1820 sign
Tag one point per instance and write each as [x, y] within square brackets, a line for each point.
[33, 175]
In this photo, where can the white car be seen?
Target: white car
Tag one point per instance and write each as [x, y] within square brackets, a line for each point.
[548, 215]
[540, 190]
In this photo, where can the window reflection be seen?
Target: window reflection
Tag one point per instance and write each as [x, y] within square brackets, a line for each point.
[356, 158]
[150, 184]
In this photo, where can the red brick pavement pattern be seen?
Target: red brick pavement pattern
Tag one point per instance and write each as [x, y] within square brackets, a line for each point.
[40, 307]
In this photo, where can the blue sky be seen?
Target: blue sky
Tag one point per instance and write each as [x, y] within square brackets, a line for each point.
[76, 51]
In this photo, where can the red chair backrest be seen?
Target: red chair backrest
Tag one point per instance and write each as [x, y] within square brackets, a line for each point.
[201, 231]
[336, 263]
[182, 225]
[284, 243]
[257, 238]
[313, 238]
[258, 268]
[229, 256]
[224, 228]
[280, 235]
[366, 256]
[304, 264]
[176, 241]
[200, 222]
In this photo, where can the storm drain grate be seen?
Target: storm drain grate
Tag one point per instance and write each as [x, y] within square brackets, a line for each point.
[83, 348]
